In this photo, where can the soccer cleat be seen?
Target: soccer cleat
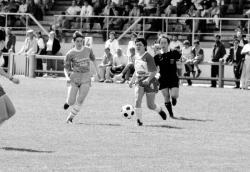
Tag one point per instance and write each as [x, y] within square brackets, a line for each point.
[139, 123]
[70, 119]
[193, 73]
[174, 101]
[65, 106]
[163, 115]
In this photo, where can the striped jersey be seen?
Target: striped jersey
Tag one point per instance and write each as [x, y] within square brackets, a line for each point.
[79, 60]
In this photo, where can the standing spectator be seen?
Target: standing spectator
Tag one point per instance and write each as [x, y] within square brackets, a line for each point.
[235, 57]
[112, 43]
[198, 56]
[131, 43]
[53, 47]
[218, 53]
[106, 64]
[30, 44]
[41, 65]
[119, 63]
[10, 43]
[245, 76]
[187, 57]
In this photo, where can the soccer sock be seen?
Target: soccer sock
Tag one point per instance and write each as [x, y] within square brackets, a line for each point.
[75, 110]
[138, 112]
[157, 109]
[169, 108]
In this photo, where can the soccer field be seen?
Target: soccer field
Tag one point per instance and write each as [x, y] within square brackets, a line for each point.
[211, 134]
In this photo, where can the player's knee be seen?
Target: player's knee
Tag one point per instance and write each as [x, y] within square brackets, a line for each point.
[71, 102]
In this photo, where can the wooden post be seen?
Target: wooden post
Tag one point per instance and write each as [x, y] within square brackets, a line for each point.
[221, 74]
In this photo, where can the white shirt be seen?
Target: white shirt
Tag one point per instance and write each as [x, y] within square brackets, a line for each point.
[174, 2]
[22, 8]
[50, 44]
[246, 49]
[40, 43]
[113, 45]
[131, 44]
[122, 60]
[174, 44]
[73, 10]
[187, 53]
[87, 11]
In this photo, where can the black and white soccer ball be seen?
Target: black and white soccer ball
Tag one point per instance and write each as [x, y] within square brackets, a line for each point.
[128, 111]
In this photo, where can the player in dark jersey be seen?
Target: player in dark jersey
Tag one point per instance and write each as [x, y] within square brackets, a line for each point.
[169, 80]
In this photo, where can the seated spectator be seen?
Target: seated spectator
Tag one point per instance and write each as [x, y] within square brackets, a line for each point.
[193, 12]
[125, 13]
[183, 6]
[3, 9]
[214, 12]
[35, 10]
[187, 57]
[52, 48]
[129, 68]
[197, 4]
[12, 7]
[106, 64]
[30, 44]
[23, 9]
[148, 6]
[112, 43]
[198, 56]
[86, 12]
[172, 8]
[135, 12]
[164, 4]
[79, 3]
[175, 44]
[72, 11]
[131, 43]
[119, 63]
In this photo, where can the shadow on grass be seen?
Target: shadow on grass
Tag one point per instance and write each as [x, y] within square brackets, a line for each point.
[162, 126]
[192, 119]
[25, 150]
[100, 124]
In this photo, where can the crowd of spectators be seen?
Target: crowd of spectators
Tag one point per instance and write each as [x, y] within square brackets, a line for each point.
[37, 8]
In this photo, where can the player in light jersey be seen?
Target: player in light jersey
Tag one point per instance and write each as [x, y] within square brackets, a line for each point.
[145, 81]
[7, 109]
[77, 72]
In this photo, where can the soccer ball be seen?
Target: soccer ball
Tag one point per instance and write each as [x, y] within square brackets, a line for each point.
[127, 111]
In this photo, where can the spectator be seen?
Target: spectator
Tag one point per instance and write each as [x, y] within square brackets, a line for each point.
[164, 4]
[219, 52]
[71, 11]
[235, 57]
[30, 44]
[12, 8]
[135, 12]
[97, 10]
[240, 37]
[41, 65]
[183, 7]
[148, 6]
[156, 48]
[79, 3]
[214, 12]
[10, 43]
[106, 64]
[23, 9]
[198, 56]
[129, 68]
[175, 44]
[204, 13]
[187, 57]
[112, 43]
[86, 13]
[34, 9]
[119, 63]
[172, 8]
[125, 13]
[131, 43]
[245, 75]
[53, 47]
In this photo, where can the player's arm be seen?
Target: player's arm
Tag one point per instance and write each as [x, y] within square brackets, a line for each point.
[8, 76]
[92, 58]
[67, 66]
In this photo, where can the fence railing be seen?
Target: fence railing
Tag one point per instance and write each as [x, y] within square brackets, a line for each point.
[186, 26]
[21, 21]
[30, 69]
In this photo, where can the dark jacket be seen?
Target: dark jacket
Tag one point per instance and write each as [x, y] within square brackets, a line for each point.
[239, 56]
[56, 46]
[11, 42]
[217, 55]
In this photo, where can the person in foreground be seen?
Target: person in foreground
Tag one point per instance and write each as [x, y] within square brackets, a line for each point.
[169, 80]
[78, 60]
[7, 109]
[145, 81]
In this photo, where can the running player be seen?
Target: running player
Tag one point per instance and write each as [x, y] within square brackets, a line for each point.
[145, 81]
[78, 61]
[169, 80]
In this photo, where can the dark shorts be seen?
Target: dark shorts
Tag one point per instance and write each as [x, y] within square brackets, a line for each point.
[117, 70]
[169, 83]
[152, 87]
